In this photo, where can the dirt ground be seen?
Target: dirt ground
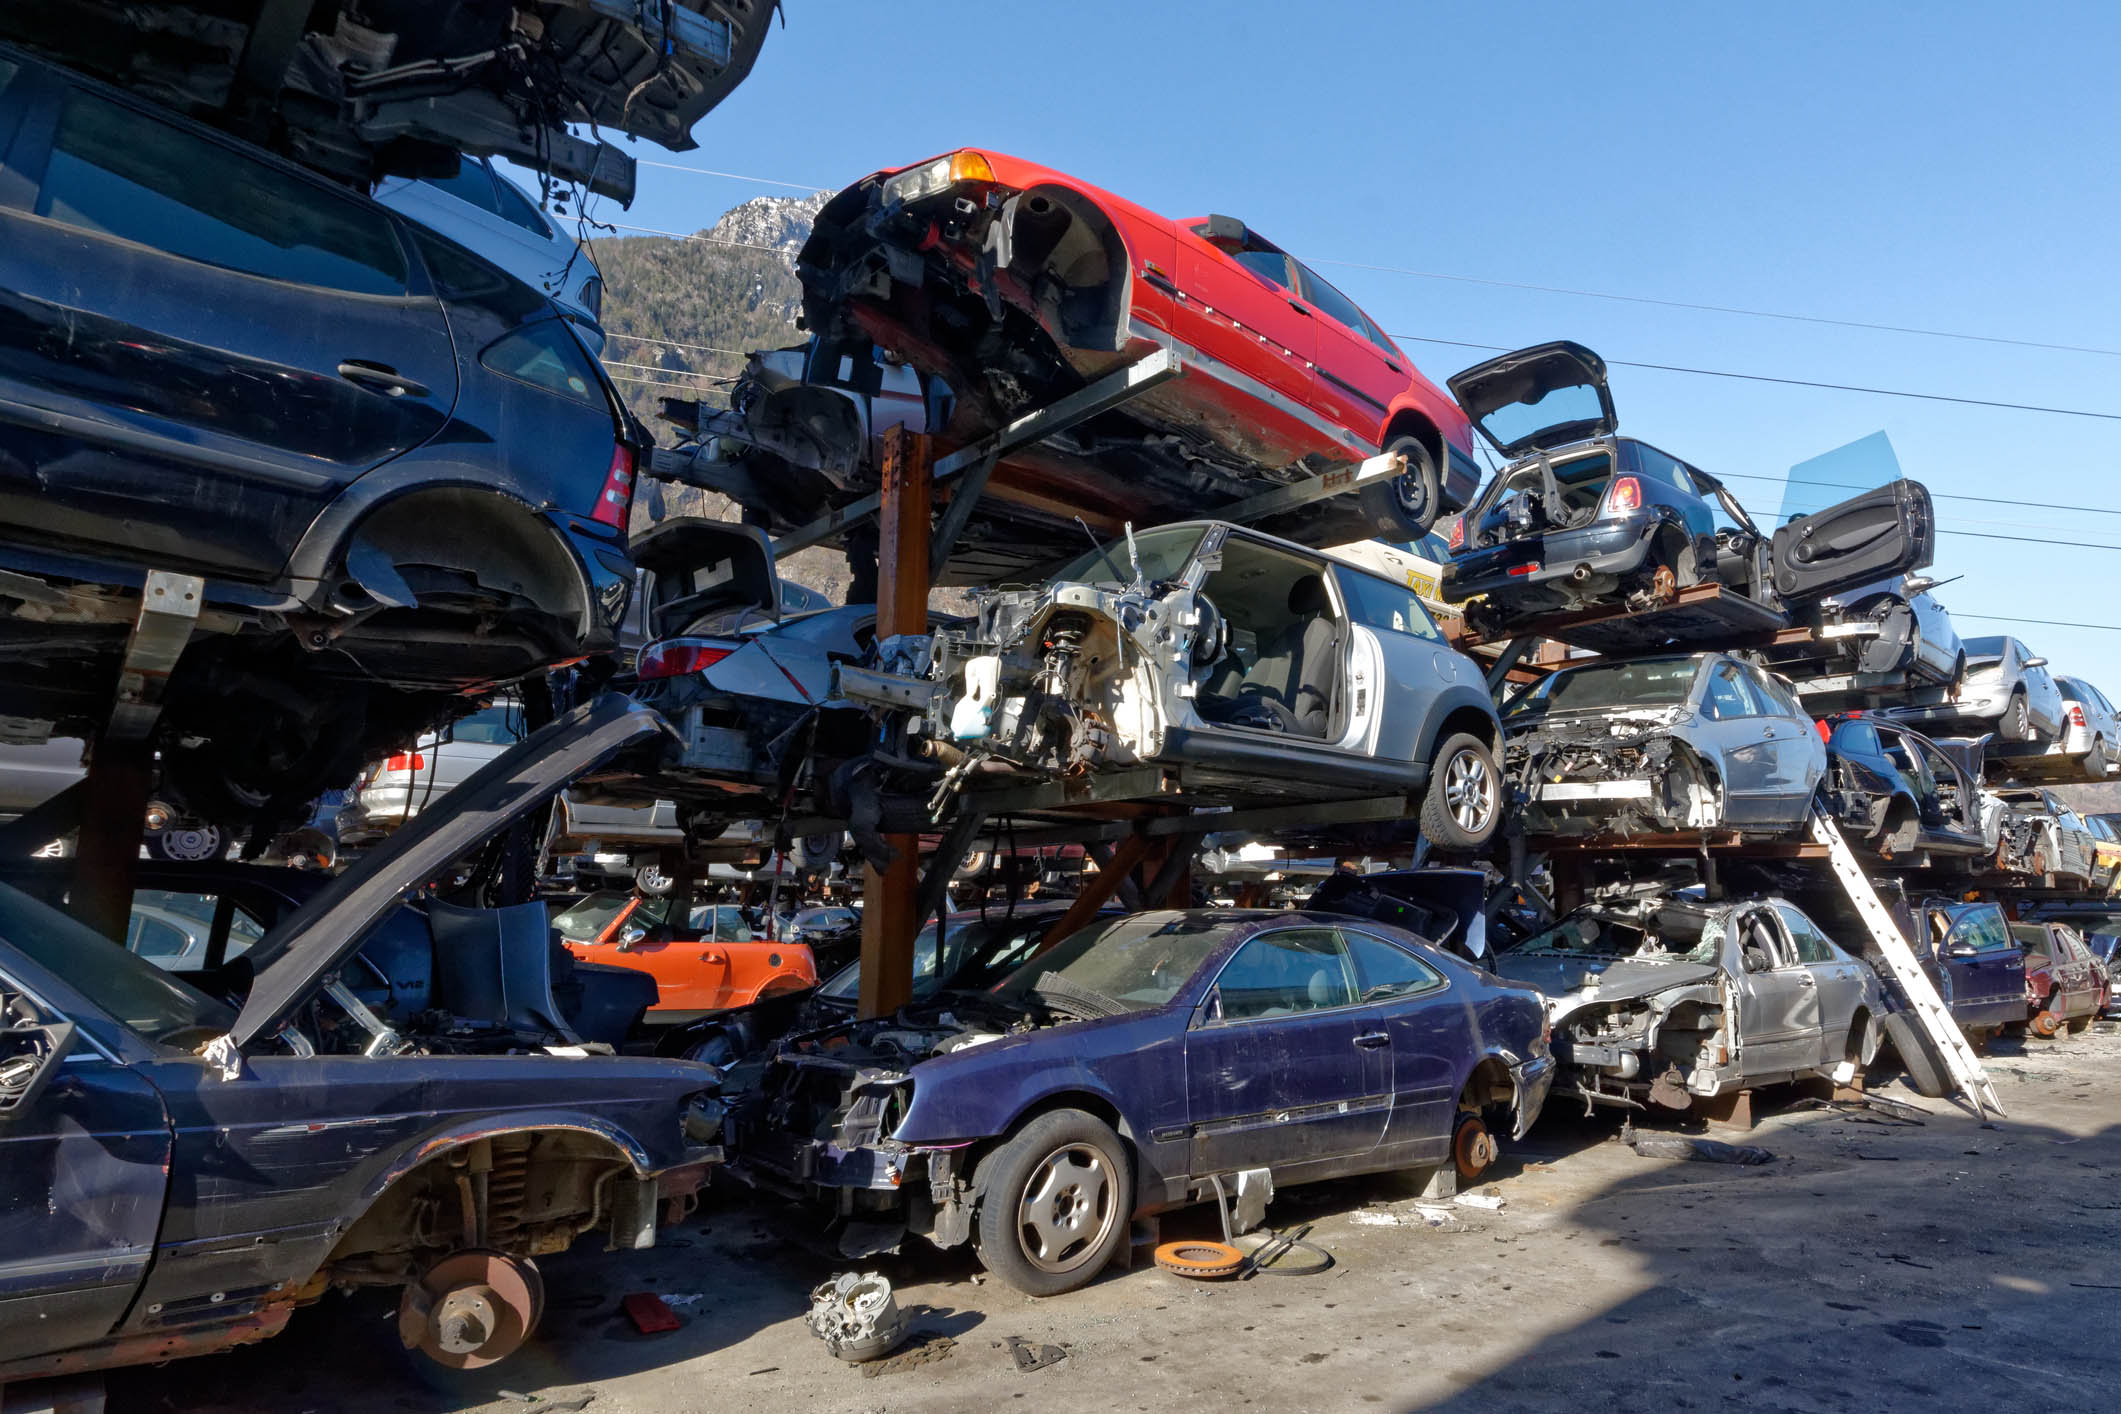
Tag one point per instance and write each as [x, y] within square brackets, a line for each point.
[1872, 1265]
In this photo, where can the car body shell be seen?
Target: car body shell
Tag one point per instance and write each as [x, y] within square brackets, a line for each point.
[1191, 1096]
[710, 963]
[2090, 727]
[1735, 752]
[1679, 1012]
[1901, 794]
[1281, 374]
[1999, 671]
[2063, 980]
[2042, 835]
[1874, 637]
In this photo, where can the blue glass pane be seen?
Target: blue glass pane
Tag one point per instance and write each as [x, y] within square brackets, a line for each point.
[1833, 477]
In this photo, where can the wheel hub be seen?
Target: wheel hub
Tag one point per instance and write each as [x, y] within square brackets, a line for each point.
[471, 1309]
[1066, 1209]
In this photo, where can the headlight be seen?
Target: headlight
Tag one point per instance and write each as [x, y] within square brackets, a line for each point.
[703, 1119]
[931, 177]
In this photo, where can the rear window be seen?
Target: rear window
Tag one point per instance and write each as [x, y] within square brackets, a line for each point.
[119, 172]
[498, 725]
[546, 356]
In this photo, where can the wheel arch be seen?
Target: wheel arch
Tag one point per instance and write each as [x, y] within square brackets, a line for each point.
[1091, 1102]
[1461, 709]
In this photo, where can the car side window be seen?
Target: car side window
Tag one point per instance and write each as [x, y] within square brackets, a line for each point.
[1380, 604]
[1982, 929]
[160, 942]
[1857, 739]
[1269, 265]
[1810, 944]
[1727, 695]
[473, 184]
[1655, 464]
[514, 207]
[118, 172]
[1774, 699]
[1331, 302]
[1384, 970]
[1284, 973]
[546, 356]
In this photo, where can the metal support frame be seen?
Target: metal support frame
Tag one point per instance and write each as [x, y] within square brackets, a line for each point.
[1512, 654]
[1385, 466]
[1098, 892]
[891, 911]
[1107, 393]
[957, 841]
[169, 608]
[38, 826]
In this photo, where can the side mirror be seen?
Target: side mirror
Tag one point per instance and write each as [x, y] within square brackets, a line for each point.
[2034, 663]
[29, 1057]
[1756, 960]
[630, 936]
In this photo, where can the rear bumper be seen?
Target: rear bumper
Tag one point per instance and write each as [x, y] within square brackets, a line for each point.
[1616, 547]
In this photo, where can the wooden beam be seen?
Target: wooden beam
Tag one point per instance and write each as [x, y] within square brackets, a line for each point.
[891, 896]
[1098, 890]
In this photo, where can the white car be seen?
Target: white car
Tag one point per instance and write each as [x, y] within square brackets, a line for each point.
[2090, 727]
[2008, 691]
[402, 785]
[483, 211]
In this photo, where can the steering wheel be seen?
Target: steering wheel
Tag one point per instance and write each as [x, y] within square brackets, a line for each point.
[1211, 639]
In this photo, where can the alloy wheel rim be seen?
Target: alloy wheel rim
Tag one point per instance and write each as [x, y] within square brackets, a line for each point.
[1469, 792]
[1067, 1209]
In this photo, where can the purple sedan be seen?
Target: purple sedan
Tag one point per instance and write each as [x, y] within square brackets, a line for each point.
[1114, 1075]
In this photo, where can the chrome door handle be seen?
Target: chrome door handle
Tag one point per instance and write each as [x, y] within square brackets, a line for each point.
[1767, 731]
[380, 378]
[1371, 1040]
[1806, 982]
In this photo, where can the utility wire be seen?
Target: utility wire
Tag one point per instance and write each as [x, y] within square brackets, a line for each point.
[2041, 623]
[673, 344]
[1937, 495]
[1740, 310]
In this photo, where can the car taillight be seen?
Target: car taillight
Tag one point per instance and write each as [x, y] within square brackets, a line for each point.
[404, 762]
[2076, 715]
[1625, 494]
[1458, 533]
[616, 499]
[675, 657]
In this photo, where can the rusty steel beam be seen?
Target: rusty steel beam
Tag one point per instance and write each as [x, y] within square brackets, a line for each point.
[891, 909]
[1098, 891]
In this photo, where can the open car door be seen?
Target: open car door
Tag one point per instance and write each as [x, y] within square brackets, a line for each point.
[1540, 398]
[1877, 535]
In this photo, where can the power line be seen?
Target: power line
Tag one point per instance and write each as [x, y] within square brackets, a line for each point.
[1724, 309]
[1939, 495]
[1795, 382]
[672, 343]
[2041, 623]
[732, 176]
[694, 236]
[1740, 310]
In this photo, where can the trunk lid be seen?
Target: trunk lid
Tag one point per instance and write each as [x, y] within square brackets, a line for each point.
[1508, 397]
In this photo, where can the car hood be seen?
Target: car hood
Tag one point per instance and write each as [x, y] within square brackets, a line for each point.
[1582, 980]
[1524, 379]
[294, 958]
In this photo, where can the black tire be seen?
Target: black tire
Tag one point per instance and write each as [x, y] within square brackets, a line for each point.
[1034, 1188]
[1406, 506]
[1918, 1056]
[2016, 723]
[1462, 807]
[2095, 759]
[1958, 681]
[651, 881]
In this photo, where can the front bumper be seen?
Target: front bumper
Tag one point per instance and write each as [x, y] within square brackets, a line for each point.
[1534, 1079]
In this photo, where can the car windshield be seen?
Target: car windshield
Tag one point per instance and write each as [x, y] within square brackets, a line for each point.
[134, 991]
[1138, 963]
[1982, 651]
[1652, 682]
[975, 952]
[1163, 553]
[586, 919]
[1664, 938]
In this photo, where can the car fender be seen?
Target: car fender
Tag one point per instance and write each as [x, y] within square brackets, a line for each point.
[462, 1132]
[1465, 693]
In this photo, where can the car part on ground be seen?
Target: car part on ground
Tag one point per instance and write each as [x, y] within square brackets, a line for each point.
[1218, 1040]
[856, 1316]
[1702, 741]
[341, 1150]
[405, 85]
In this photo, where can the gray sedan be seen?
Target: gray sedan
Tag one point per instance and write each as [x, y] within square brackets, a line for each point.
[1689, 742]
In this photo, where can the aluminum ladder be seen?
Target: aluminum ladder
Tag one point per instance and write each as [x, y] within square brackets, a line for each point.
[1930, 1010]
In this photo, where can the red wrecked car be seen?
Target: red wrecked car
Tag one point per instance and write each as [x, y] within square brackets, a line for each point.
[2064, 985]
[1015, 285]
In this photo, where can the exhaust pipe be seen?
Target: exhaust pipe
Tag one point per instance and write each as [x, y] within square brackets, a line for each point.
[1581, 574]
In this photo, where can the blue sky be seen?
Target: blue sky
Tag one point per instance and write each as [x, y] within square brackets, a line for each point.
[1942, 166]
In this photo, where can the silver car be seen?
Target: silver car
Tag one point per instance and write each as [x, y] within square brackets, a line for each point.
[2007, 690]
[1670, 999]
[2090, 727]
[1890, 631]
[1688, 742]
[408, 782]
[2042, 835]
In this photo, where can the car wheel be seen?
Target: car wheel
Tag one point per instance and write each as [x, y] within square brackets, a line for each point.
[1472, 1148]
[1918, 1056]
[1463, 805]
[2017, 722]
[2079, 1026]
[190, 845]
[2095, 759]
[1055, 1203]
[651, 882]
[1406, 506]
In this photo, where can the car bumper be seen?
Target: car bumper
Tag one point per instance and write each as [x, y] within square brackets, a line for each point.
[1534, 1078]
[1614, 547]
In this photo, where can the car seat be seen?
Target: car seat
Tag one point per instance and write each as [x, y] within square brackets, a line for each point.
[1289, 685]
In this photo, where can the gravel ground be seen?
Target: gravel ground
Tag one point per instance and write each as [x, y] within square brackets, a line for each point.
[1873, 1265]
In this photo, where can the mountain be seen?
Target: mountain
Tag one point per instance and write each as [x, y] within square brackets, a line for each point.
[680, 316]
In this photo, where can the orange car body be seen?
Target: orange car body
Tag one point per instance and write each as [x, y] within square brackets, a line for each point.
[721, 967]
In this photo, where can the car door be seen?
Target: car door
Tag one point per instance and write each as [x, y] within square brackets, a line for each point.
[200, 345]
[84, 1172]
[1357, 374]
[1988, 967]
[1282, 1069]
[1242, 310]
[1779, 1017]
[1798, 756]
[1744, 742]
[1412, 1002]
[1881, 533]
[2043, 699]
[1837, 982]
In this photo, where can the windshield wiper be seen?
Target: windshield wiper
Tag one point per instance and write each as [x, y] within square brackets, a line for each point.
[1076, 1000]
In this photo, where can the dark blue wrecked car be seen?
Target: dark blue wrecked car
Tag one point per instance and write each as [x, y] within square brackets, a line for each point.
[1114, 1075]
